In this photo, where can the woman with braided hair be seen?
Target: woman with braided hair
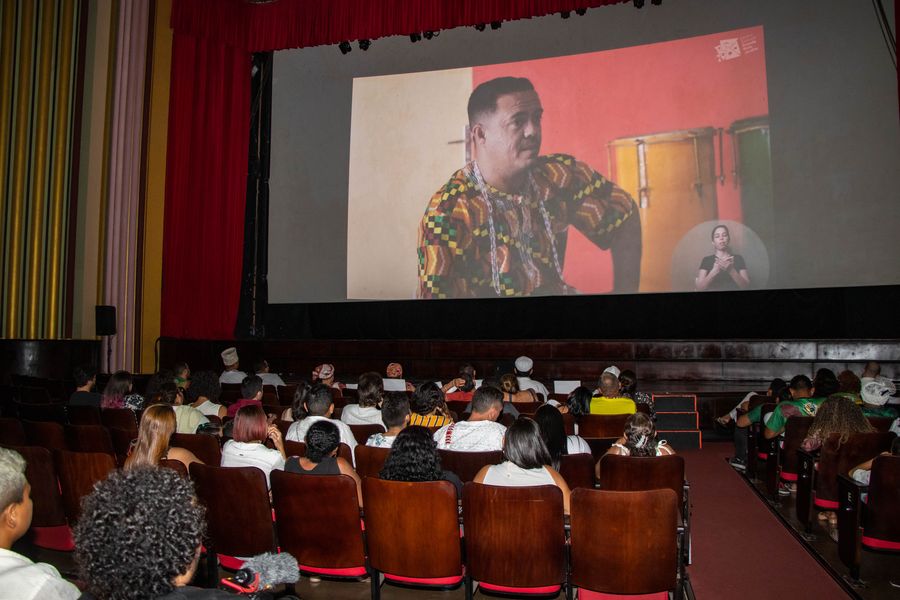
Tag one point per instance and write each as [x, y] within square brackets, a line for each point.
[640, 439]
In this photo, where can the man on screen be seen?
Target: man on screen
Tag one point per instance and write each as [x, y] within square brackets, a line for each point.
[499, 226]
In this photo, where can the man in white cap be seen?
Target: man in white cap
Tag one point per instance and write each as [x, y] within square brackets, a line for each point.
[524, 368]
[232, 372]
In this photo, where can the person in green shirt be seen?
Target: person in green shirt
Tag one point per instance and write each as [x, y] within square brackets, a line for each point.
[804, 403]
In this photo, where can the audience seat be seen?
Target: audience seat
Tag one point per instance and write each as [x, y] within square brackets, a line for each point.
[78, 472]
[643, 561]
[292, 448]
[83, 415]
[231, 393]
[413, 547]
[318, 521]
[502, 553]
[46, 434]
[577, 470]
[89, 438]
[370, 460]
[121, 418]
[175, 465]
[11, 432]
[362, 432]
[48, 523]
[784, 466]
[204, 446]
[601, 426]
[286, 394]
[467, 464]
[33, 411]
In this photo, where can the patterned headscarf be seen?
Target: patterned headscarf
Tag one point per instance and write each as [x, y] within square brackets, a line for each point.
[323, 371]
[394, 371]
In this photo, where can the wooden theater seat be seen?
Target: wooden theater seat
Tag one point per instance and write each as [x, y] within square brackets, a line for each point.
[89, 438]
[362, 432]
[78, 472]
[11, 432]
[204, 446]
[49, 528]
[83, 415]
[370, 460]
[467, 464]
[46, 434]
[577, 470]
[784, 467]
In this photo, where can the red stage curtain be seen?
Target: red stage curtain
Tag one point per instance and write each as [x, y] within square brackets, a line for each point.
[300, 23]
[206, 178]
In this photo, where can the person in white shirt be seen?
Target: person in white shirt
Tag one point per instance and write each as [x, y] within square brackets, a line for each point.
[553, 432]
[524, 369]
[319, 405]
[367, 411]
[262, 369]
[246, 449]
[481, 433]
[395, 414]
[232, 372]
[19, 577]
[204, 393]
[527, 462]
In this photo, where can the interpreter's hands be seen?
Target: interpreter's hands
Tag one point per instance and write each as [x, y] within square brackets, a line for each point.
[726, 263]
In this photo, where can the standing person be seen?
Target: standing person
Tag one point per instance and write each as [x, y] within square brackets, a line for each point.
[481, 433]
[232, 372]
[524, 370]
[85, 381]
[118, 393]
[722, 270]
[152, 445]
[268, 378]
[247, 448]
[370, 393]
[19, 577]
[499, 226]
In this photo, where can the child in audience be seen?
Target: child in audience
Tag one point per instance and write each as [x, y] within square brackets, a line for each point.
[322, 442]
[395, 414]
[414, 457]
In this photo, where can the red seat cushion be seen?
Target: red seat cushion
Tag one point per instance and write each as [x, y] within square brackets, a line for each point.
[434, 581]
[589, 595]
[879, 544]
[340, 572]
[53, 538]
[543, 590]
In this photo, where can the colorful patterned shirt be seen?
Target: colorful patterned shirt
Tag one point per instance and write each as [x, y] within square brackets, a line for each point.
[457, 259]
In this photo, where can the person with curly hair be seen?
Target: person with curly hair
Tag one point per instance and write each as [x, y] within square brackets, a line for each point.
[526, 461]
[158, 423]
[19, 577]
[429, 406]
[139, 536]
[118, 393]
[838, 414]
[322, 442]
[204, 394]
[367, 410]
[414, 457]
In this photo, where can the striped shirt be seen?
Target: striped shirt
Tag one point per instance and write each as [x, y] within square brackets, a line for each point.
[429, 420]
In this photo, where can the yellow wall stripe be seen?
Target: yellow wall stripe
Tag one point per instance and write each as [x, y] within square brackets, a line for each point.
[7, 52]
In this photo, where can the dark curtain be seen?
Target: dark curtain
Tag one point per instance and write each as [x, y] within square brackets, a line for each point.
[206, 175]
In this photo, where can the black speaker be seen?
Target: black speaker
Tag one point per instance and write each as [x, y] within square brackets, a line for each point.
[105, 320]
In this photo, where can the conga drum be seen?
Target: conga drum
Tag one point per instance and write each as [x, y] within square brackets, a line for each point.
[752, 173]
[672, 177]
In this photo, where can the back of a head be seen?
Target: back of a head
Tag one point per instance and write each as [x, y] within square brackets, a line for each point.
[322, 438]
[251, 386]
[427, 397]
[205, 384]
[524, 446]
[298, 404]
[119, 384]
[168, 393]
[319, 400]
[413, 457]
[157, 380]
[82, 374]
[800, 384]
[825, 383]
[849, 382]
[250, 424]
[776, 385]
[609, 385]
[579, 401]
[260, 365]
[467, 369]
[156, 428]
[553, 430]
[640, 435]
[839, 414]
[628, 382]
[468, 383]
[872, 369]
[485, 398]
[12, 478]
[181, 369]
[138, 530]
[395, 409]
[509, 383]
[370, 389]
[483, 100]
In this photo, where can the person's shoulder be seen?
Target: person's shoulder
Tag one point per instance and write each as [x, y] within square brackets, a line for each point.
[566, 169]
[458, 187]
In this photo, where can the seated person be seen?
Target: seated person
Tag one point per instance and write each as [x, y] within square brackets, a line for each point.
[639, 439]
[232, 372]
[322, 442]
[850, 385]
[319, 406]
[247, 448]
[579, 401]
[509, 412]
[19, 577]
[526, 461]
[804, 402]
[85, 380]
[395, 414]
[261, 368]
[324, 373]
[610, 401]
[509, 385]
[524, 368]
[553, 432]
[119, 393]
[204, 394]
[251, 395]
[430, 409]
[296, 411]
[862, 473]
[481, 433]
[152, 445]
[463, 388]
[628, 389]
[188, 417]
[838, 414]
[182, 373]
[395, 371]
[775, 387]
[139, 536]
[367, 410]
[875, 395]
[414, 457]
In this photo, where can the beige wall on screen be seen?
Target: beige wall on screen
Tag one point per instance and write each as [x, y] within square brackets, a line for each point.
[401, 152]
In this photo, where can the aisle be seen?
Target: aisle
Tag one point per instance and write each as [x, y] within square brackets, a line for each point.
[741, 550]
